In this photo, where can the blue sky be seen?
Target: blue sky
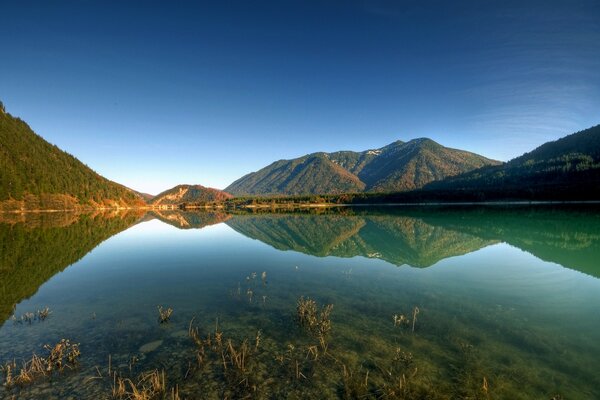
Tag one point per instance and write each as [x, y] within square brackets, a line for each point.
[152, 94]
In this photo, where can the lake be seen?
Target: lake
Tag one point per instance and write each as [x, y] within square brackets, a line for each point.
[489, 302]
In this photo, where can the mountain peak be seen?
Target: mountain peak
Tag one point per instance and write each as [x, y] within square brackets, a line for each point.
[399, 166]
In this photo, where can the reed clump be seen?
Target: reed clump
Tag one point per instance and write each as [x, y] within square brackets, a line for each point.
[149, 385]
[61, 356]
[316, 322]
[43, 313]
[164, 314]
[29, 317]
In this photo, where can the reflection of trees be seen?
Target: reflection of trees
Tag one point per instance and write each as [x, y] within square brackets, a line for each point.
[396, 239]
[35, 246]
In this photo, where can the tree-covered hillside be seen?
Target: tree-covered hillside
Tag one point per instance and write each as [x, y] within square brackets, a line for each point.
[35, 173]
[568, 166]
[189, 195]
[396, 167]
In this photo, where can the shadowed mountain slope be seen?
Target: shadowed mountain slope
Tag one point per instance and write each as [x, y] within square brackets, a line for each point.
[565, 168]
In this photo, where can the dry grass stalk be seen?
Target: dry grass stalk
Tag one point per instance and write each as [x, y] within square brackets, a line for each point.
[63, 354]
[416, 312]
[149, 386]
[237, 357]
[257, 340]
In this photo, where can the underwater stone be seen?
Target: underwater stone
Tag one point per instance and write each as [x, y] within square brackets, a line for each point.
[150, 347]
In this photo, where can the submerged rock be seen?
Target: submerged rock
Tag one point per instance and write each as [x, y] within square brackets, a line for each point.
[150, 347]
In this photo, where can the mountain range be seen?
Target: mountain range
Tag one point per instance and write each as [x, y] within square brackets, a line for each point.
[397, 167]
[36, 175]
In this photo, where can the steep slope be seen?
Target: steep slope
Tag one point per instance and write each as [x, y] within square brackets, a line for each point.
[314, 173]
[37, 175]
[408, 166]
[189, 194]
[397, 167]
[570, 165]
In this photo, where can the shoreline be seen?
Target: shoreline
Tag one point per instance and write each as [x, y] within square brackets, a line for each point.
[312, 205]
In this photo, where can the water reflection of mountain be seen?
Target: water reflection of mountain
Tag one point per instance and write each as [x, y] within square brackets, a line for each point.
[190, 220]
[396, 239]
[36, 246]
[569, 236]
[421, 237]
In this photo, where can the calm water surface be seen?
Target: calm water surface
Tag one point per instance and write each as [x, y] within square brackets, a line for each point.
[508, 301]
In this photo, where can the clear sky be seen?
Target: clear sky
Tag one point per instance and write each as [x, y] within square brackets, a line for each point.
[152, 94]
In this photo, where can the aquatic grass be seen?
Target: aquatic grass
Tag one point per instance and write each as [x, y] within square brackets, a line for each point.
[43, 313]
[235, 361]
[400, 320]
[317, 323]
[416, 312]
[164, 315]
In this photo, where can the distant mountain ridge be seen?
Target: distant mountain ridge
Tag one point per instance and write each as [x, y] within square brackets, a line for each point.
[189, 195]
[36, 175]
[567, 165]
[399, 166]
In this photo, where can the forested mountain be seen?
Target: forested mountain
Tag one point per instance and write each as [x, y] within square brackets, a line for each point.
[397, 167]
[568, 167]
[189, 195]
[35, 174]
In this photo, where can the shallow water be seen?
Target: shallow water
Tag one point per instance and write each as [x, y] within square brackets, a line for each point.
[507, 298]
